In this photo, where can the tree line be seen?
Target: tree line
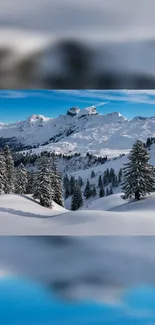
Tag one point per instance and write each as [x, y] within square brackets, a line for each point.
[72, 187]
[44, 184]
[31, 158]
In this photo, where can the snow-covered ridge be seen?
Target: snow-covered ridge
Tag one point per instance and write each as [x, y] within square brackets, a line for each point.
[79, 130]
[116, 115]
[39, 117]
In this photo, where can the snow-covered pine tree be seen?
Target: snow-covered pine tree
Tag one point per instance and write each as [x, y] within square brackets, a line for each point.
[67, 192]
[36, 187]
[94, 191]
[120, 175]
[72, 184]
[107, 192]
[100, 181]
[139, 175]
[10, 171]
[92, 174]
[65, 181]
[2, 173]
[114, 181]
[108, 175]
[111, 175]
[148, 142]
[43, 188]
[56, 183]
[87, 191]
[77, 200]
[102, 192]
[21, 180]
[80, 180]
[105, 179]
[111, 191]
[66, 186]
[30, 182]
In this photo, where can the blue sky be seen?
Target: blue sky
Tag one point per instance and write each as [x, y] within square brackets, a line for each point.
[18, 105]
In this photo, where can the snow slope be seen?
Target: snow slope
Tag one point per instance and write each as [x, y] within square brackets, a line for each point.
[107, 203]
[20, 215]
[79, 131]
[19, 212]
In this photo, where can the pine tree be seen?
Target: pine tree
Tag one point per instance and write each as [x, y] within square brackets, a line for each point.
[10, 172]
[114, 181]
[139, 175]
[65, 181]
[2, 173]
[100, 181]
[148, 142]
[67, 192]
[107, 192]
[72, 184]
[80, 180]
[102, 192]
[105, 179]
[92, 174]
[108, 175]
[56, 183]
[77, 200]
[36, 187]
[66, 186]
[111, 175]
[43, 188]
[94, 191]
[21, 180]
[111, 191]
[87, 192]
[120, 175]
[30, 182]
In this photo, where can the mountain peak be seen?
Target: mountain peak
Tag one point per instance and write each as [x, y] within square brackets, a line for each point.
[116, 115]
[73, 111]
[88, 111]
[36, 117]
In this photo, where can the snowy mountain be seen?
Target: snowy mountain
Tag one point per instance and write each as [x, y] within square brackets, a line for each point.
[79, 130]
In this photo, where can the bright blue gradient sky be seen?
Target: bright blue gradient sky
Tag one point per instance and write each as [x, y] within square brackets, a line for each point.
[18, 105]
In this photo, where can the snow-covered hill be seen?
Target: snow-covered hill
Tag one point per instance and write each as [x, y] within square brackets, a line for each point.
[20, 215]
[114, 163]
[78, 131]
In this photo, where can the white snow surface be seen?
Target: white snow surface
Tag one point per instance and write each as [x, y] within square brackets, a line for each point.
[21, 215]
[86, 131]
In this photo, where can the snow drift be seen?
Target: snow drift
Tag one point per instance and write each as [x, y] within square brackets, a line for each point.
[21, 215]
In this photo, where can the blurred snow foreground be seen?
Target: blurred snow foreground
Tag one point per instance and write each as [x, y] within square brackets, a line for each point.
[112, 215]
[77, 44]
[42, 60]
[96, 267]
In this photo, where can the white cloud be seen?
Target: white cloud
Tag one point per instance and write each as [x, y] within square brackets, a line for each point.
[92, 97]
[133, 96]
[12, 94]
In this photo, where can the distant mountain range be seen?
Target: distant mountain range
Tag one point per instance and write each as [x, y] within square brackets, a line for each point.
[79, 131]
